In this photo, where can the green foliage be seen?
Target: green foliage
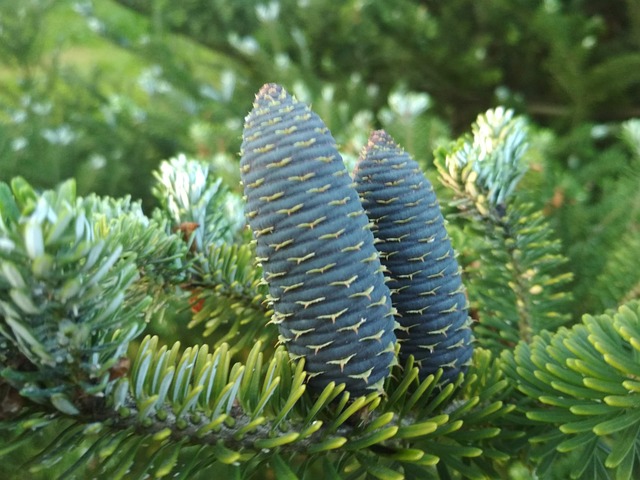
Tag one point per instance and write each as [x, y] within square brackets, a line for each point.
[225, 288]
[59, 122]
[202, 208]
[228, 298]
[516, 283]
[257, 413]
[67, 311]
[550, 56]
[584, 384]
[596, 213]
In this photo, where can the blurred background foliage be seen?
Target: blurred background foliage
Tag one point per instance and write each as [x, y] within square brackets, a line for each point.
[103, 90]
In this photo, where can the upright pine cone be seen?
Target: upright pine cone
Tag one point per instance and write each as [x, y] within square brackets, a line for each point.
[331, 304]
[426, 288]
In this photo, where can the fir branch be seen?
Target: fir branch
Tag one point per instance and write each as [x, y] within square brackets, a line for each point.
[224, 286]
[619, 278]
[66, 308]
[228, 297]
[78, 278]
[259, 412]
[160, 254]
[197, 203]
[515, 278]
[582, 383]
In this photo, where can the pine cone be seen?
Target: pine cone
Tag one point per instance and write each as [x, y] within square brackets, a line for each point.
[331, 304]
[426, 288]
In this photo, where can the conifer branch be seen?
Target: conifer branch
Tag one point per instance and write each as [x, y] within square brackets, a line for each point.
[583, 393]
[239, 412]
[515, 277]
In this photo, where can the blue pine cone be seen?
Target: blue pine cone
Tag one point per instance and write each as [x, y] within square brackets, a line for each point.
[424, 277]
[325, 279]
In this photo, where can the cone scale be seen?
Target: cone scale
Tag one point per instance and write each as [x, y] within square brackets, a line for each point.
[325, 278]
